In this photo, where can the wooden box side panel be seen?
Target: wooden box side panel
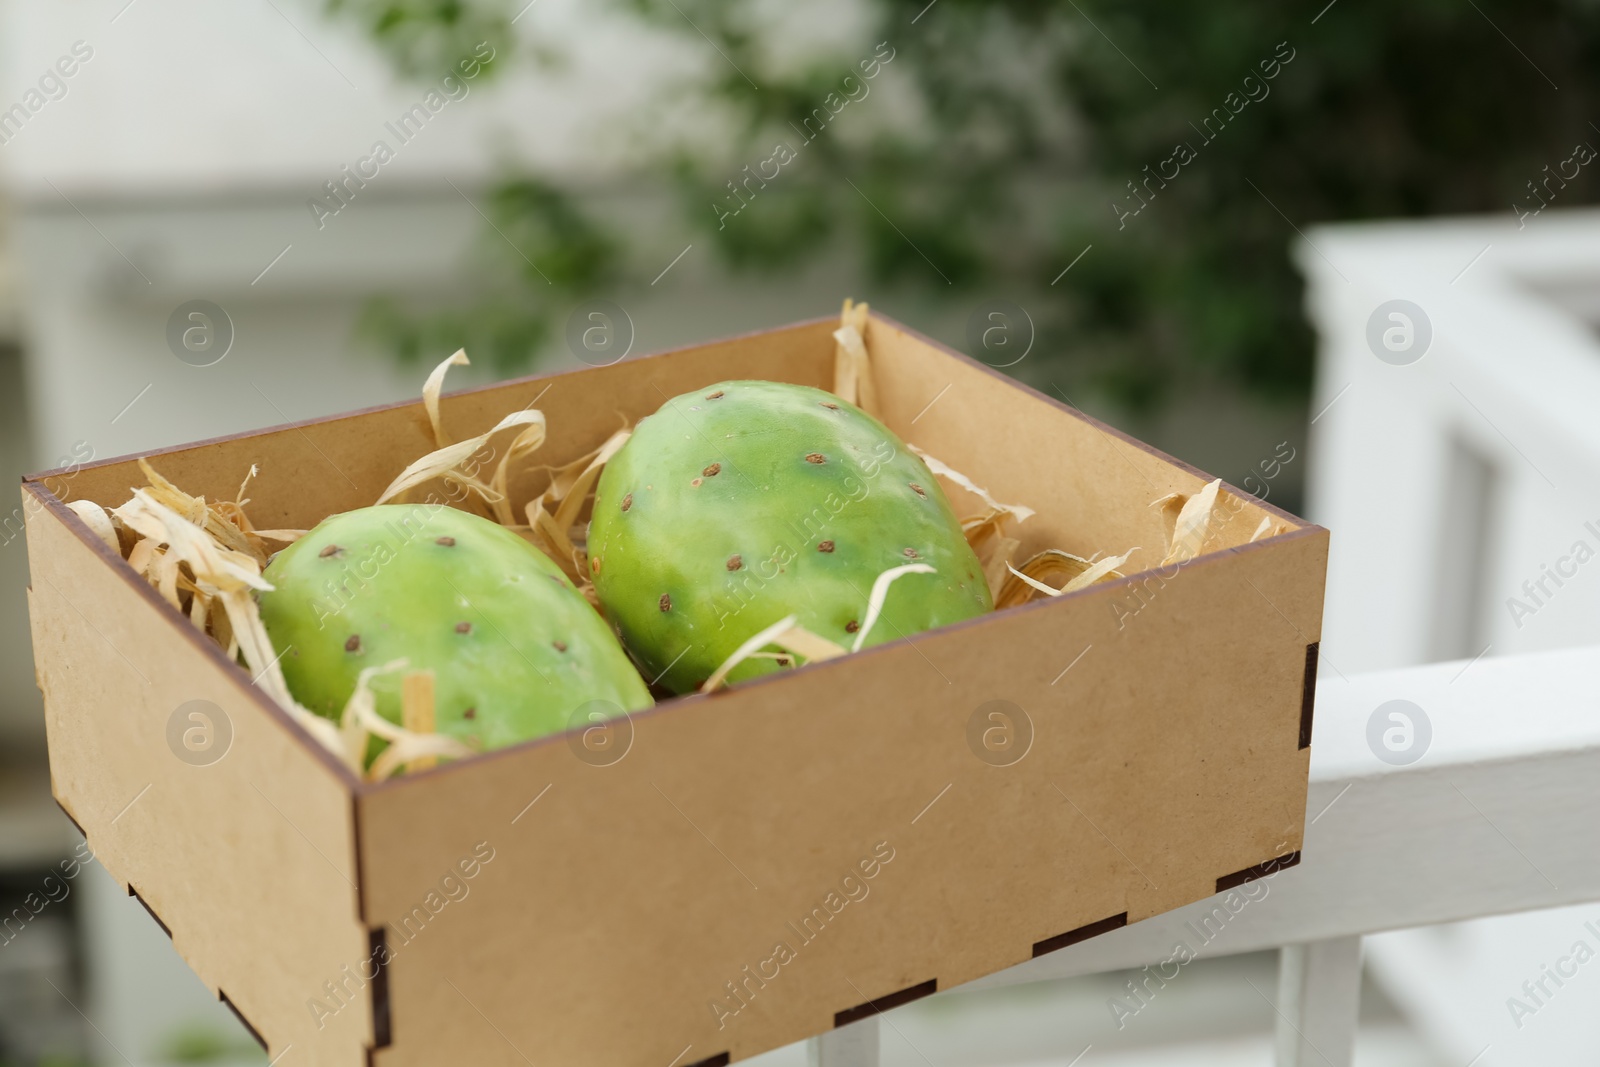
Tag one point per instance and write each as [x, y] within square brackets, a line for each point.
[312, 470]
[764, 859]
[247, 858]
[1091, 486]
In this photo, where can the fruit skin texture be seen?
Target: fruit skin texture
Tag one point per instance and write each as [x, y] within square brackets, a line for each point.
[514, 647]
[743, 502]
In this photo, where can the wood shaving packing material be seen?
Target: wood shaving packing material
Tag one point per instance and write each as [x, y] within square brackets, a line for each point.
[201, 555]
[880, 594]
[1189, 521]
[1054, 565]
[985, 532]
[1087, 574]
[787, 634]
[445, 463]
[1268, 528]
[852, 366]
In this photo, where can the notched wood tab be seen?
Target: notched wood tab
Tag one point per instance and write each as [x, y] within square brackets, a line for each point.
[134, 893]
[1308, 694]
[237, 1014]
[1260, 870]
[1082, 933]
[378, 953]
[719, 1060]
[883, 1004]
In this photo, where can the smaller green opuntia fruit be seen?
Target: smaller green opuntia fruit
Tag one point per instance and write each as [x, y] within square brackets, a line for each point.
[515, 648]
[739, 504]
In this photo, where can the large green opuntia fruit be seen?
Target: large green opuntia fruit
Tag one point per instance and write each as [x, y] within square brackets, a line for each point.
[736, 505]
[514, 647]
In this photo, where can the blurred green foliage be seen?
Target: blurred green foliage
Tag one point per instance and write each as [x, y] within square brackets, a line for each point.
[547, 250]
[201, 1043]
[1014, 138]
[426, 38]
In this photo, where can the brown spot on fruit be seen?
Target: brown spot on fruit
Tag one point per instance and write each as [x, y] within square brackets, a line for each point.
[816, 457]
[353, 643]
[665, 602]
[331, 550]
[463, 627]
[627, 502]
[735, 561]
[594, 564]
[559, 646]
[696, 482]
[915, 488]
[712, 470]
[830, 407]
[911, 553]
[824, 546]
[715, 396]
[470, 713]
[782, 661]
[448, 542]
[852, 626]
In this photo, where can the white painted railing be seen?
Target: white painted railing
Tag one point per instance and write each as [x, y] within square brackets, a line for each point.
[1457, 461]
[1458, 469]
[1497, 813]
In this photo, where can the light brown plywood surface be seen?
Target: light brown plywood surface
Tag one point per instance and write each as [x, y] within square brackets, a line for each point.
[249, 861]
[653, 882]
[535, 905]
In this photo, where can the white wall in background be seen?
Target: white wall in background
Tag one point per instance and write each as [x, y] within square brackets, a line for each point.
[185, 96]
[100, 369]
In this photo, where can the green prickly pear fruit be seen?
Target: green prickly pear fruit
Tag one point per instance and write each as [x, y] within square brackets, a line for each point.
[514, 647]
[739, 504]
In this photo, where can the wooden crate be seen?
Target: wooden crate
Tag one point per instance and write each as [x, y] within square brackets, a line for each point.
[764, 863]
